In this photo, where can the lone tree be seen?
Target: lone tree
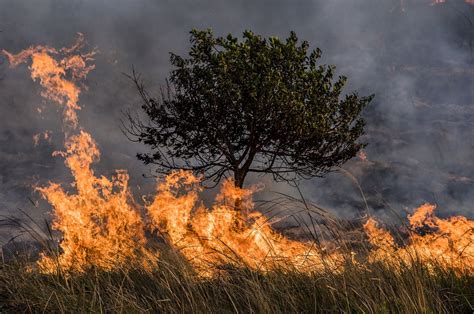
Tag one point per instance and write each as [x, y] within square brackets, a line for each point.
[257, 105]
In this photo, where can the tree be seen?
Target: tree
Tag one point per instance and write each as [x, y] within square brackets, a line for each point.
[256, 105]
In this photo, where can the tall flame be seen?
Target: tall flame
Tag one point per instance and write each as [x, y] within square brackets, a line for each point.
[100, 226]
[99, 223]
[224, 235]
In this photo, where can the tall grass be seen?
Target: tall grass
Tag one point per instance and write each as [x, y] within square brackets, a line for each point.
[173, 287]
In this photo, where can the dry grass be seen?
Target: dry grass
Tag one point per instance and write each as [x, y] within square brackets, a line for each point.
[174, 288]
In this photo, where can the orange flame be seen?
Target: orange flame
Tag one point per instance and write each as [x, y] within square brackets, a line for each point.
[52, 73]
[223, 235]
[100, 226]
[448, 243]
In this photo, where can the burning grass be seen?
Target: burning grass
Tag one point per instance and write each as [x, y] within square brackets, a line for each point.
[190, 268]
[174, 286]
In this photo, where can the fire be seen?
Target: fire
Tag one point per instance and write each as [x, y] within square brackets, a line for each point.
[99, 224]
[224, 235]
[52, 73]
[448, 243]
[102, 226]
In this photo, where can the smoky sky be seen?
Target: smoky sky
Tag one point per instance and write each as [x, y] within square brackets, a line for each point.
[416, 60]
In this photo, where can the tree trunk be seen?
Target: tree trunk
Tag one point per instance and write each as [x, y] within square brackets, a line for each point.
[239, 178]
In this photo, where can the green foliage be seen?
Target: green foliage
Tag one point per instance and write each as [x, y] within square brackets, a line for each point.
[255, 105]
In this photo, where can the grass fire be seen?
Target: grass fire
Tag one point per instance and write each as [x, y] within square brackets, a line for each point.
[236, 114]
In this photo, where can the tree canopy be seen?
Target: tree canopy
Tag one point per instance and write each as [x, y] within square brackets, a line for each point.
[260, 105]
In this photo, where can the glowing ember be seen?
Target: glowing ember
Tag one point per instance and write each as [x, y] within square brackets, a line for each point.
[46, 135]
[362, 155]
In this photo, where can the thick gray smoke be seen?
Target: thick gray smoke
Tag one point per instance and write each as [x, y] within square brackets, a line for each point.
[417, 61]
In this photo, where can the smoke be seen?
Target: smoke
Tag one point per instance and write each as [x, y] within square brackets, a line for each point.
[417, 62]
